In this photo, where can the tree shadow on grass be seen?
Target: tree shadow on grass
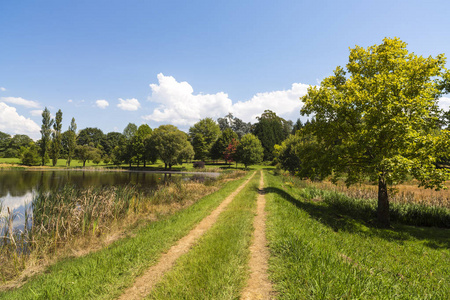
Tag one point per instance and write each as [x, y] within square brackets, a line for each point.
[348, 220]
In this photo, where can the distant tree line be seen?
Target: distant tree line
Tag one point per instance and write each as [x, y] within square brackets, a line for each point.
[228, 139]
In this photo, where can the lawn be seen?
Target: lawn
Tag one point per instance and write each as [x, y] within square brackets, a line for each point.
[320, 252]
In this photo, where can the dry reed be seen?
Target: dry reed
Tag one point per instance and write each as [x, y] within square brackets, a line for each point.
[408, 193]
[73, 222]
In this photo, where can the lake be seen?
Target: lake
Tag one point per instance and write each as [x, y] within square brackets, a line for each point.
[17, 187]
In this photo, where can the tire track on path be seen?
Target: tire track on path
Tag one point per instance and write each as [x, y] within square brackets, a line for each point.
[144, 284]
[259, 285]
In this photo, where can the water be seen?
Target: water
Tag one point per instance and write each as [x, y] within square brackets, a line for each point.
[17, 187]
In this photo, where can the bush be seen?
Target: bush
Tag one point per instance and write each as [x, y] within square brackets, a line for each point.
[30, 157]
[199, 164]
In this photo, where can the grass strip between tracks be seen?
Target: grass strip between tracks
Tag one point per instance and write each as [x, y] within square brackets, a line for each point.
[216, 268]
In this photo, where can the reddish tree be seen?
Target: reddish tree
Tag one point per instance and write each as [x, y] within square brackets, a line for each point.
[230, 152]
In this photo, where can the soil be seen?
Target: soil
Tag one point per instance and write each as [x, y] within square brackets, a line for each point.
[259, 285]
[144, 284]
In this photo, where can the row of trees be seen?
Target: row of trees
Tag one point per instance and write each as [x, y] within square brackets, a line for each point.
[228, 139]
[376, 120]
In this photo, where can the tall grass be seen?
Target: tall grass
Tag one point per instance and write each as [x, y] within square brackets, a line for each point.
[319, 252]
[402, 193]
[362, 203]
[58, 219]
[105, 273]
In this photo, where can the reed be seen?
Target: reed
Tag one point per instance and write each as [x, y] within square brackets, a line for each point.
[415, 206]
[55, 221]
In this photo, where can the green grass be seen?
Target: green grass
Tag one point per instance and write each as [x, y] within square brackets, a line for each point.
[217, 267]
[318, 252]
[106, 273]
[158, 165]
[9, 160]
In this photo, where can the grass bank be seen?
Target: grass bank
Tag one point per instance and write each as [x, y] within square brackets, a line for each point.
[216, 268]
[104, 273]
[322, 252]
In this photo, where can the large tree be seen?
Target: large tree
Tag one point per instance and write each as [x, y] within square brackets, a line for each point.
[249, 150]
[69, 141]
[4, 142]
[379, 118]
[171, 144]
[16, 143]
[139, 143]
[112, 140]
[203, 135]
[46, 131]
[219, 146]
[91, 135]
[126, 151]
[55, 148]
[271, 130]
[87, 152]
[237, 125]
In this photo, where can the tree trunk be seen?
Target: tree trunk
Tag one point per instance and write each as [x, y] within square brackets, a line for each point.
[383, 203]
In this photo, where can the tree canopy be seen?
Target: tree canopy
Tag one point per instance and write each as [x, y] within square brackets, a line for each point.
[379, 117]
[237, 125]
[221, 144]
[203, 134]
[271, 130]
[171, 144]
[249, 150]
[89, 136]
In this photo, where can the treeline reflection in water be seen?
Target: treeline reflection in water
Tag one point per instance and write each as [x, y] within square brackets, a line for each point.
[17, 187]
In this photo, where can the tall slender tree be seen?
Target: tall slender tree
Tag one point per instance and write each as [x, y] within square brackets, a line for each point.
[55, 148]
[69, 140]
[46, 131]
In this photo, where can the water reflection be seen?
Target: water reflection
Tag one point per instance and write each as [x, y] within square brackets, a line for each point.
[18, 186]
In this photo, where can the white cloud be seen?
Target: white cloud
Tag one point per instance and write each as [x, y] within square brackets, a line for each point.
[102, 104]
[13, 123]
[129, 104]
[2, 89]
[36, 112]
[70, 101]
[20, 101]
[285, 103]
[444, 103]
[179, 105]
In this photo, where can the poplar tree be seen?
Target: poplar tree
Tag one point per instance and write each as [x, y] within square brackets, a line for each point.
[55, 148]
[46, 131]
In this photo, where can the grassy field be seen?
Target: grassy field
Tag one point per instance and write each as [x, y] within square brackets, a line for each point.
[216, 267]
[319, 252]
[104, 274]
[158, 165]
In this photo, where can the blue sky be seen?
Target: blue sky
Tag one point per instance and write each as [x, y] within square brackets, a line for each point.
[176, 62]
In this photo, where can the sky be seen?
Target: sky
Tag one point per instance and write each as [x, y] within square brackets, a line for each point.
[109, 63]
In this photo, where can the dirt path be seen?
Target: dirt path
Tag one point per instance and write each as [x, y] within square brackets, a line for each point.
[144, 284]
[259, 285]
